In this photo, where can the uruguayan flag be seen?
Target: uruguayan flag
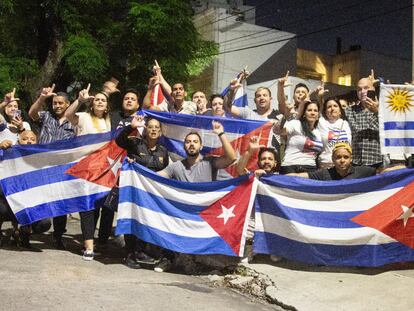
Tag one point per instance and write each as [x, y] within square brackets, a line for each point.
[361, 222]
[192, 218]
[396, 118]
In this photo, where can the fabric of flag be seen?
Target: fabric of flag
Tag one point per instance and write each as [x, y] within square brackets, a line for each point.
[360, 222]
[240, 98]
[192, 218]
[396, 118]
[157, 96]
[176, 126]
[48, 180]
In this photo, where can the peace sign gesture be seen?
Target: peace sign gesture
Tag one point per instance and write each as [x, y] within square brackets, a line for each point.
[9, 97]
[84, 95]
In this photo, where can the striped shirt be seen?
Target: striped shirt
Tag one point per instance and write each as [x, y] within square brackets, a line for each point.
[52, 130]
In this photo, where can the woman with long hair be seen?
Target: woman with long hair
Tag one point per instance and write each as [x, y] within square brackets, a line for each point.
[334, 128]
[94, 120]
[303, 141]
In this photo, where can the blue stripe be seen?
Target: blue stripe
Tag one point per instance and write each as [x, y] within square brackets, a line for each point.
[61, 207]
[177, 243]
[399, 125]
[225, 91]
[36, 178]
[390, 180]
[399, 142]
[204, 122]
[222, 185]
[332, 255]
[241, 101]
[159, 204]
[18, 151]
[271, 206]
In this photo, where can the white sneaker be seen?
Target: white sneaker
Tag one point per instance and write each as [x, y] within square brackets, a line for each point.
[88, 255]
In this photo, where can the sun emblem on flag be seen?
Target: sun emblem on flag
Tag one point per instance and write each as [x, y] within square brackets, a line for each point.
[399, 100]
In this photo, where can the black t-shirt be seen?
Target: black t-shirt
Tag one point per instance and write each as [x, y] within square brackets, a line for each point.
[332, 174]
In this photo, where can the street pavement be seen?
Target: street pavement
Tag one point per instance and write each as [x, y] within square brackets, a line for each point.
[61, 280]
[306, 287]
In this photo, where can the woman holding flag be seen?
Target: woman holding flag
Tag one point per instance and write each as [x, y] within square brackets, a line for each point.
[95, 120]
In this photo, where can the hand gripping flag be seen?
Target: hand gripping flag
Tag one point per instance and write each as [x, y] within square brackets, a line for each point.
[192, 218]
[42, 181]
[176, 126]
[396, 118]
[240, 98]
[360, 222]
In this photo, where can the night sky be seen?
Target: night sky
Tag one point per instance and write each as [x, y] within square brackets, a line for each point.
[389, 33]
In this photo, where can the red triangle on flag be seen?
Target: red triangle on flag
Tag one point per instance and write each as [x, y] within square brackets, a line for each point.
[229, 215]
[392, 216]
[241, 145]
[101, 166]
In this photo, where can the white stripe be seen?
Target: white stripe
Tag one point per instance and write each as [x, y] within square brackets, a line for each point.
[341, 202]
[53, 192]
[209, 139]
[166, 223]
[131, 178]
[399, 133]
[308, 234]
[44, 160]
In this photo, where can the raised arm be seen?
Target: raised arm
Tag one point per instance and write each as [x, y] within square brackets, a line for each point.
[83, 97]
[122, 140]
[38, 104]
[229, 155]
[8, 98]
[282, 83]
[254, 147]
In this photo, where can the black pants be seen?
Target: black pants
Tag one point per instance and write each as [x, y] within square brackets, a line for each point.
[132, 244]
[89, 220]
[59, 226]
[105, 224]
[296, 169]
[37, 227]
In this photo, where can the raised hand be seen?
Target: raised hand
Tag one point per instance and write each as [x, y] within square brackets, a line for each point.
[254, 144]
[156, 69]
[372, 104]
[17, 121]
[217, 127]
[138, 121]
[371, 77]
[284, 80]
[9, 97]
[153, 81]
[48, 91]
[84, 95]
[320, 89]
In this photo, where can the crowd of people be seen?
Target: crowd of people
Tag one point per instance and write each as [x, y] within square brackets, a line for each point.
[322, 139]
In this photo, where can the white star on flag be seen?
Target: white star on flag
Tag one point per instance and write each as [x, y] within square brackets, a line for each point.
[114, 165]
[226, 213]
[407, 213]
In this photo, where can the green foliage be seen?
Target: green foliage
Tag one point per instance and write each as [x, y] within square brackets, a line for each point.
[85, 58]
[100, 39]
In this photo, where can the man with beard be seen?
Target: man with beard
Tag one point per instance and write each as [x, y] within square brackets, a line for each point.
[196, 168]
[199, 98]
[54, 127]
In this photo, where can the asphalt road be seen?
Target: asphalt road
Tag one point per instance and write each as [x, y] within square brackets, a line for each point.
[61, 280]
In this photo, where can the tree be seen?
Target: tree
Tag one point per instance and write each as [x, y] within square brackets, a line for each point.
[45, 41]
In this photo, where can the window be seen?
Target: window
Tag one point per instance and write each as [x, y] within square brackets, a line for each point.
[345, 80]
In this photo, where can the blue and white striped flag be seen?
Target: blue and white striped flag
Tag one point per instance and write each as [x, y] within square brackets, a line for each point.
[396, 118]
[360, 222]
[240, 98]
[192, 218]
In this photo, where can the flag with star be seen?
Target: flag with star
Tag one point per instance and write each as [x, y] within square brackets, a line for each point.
[48, 180]
[361, 222]
[191, 218]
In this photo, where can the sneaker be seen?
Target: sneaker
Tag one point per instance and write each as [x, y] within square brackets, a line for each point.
[163, 266]
[88, 255]
[130, 262]
[141, 257]
[58, 244]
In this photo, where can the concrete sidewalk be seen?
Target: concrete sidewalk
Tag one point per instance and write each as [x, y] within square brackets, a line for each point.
[305, 287]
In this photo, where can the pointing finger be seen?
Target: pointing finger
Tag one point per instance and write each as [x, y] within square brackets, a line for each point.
[88, 87]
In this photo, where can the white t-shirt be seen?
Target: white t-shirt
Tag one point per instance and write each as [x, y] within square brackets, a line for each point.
[301, 150]
[332, 133]
[89, 125]
[12, 133]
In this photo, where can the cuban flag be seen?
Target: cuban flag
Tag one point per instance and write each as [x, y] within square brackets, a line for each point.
[396, 118]
[361, 222]
[48, 180]
[157, 96]
[192, 218]
[240, 98]
[176, 126]
[312, 146]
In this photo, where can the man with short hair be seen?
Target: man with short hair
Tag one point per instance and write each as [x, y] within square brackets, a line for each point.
[54, 127]
[199, 98]
[195, 167]
[364, 124]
